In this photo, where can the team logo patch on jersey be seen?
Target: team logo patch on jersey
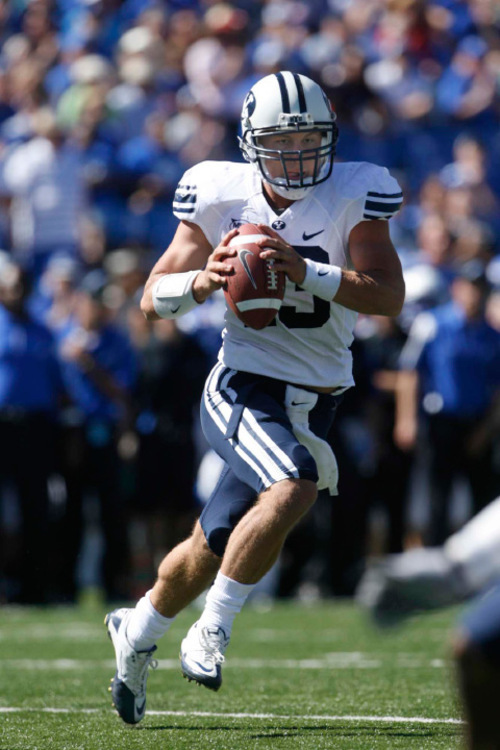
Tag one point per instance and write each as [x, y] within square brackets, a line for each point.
[235, 223]
[278, 224]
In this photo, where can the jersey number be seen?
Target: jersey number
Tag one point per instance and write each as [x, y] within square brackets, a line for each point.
[289, 315]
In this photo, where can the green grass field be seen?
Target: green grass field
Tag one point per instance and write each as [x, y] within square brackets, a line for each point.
[296, 676]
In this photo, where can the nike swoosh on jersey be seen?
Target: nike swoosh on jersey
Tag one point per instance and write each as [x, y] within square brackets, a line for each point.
[323, 273]
[306, 236]
[243, 258]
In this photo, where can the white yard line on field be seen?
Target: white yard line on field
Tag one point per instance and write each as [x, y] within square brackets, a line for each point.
[335, 660]
[220, 715]
[41, 632]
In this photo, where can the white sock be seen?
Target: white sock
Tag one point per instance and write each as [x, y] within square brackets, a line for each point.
[146, 625]
[224, 600]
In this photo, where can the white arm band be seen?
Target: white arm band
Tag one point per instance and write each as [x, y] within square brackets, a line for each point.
[173, 294]
[321, 279]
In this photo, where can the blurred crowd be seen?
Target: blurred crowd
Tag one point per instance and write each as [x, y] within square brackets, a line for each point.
[103, 105]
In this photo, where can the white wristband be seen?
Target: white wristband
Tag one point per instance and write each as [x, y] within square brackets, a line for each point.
[321, 279]
[173, 294]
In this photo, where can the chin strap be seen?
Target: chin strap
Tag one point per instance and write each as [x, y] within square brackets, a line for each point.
[293, 194]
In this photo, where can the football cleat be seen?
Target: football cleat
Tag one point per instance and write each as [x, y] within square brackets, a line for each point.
[128, 686]
[202, 653]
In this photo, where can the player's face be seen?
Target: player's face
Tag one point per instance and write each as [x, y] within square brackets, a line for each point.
[293, 143]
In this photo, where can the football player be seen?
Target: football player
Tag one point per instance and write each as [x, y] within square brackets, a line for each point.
[328, 231]
[423, 579]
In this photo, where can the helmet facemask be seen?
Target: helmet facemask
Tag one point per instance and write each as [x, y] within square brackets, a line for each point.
[296, 176]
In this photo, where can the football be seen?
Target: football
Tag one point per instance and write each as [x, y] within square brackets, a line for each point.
[255, 290]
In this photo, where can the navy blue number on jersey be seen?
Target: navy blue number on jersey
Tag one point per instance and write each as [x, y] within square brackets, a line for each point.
[289, 315]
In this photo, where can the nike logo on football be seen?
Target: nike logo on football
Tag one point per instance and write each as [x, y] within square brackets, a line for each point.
[306, 236]
[243, 259]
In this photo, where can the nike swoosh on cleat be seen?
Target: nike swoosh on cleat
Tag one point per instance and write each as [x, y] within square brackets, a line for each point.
[300, 403]
[173, 310]
[203, 669]
[306, 236]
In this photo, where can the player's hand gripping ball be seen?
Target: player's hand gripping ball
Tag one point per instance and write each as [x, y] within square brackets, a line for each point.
[255, 290]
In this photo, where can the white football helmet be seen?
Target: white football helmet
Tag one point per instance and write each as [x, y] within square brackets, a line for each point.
[288, 102]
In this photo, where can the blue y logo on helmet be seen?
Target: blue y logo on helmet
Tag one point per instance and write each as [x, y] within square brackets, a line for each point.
[249, 105]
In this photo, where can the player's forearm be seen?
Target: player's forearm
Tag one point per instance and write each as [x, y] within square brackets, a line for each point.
[371, 293]
[171, 295]
[147, 306]
[179, 282]
[169, 290]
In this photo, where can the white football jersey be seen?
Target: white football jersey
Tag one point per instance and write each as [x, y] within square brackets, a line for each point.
[308, 343]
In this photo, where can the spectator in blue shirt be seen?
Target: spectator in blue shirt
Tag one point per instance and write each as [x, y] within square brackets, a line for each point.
[466, 89]
[30, 387]
[451, 370]
[98, 366]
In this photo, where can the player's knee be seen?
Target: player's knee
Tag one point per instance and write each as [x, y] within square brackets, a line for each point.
[293, 497]
[193, 554]
[285, 501]
[202, 549]
[308, 493]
